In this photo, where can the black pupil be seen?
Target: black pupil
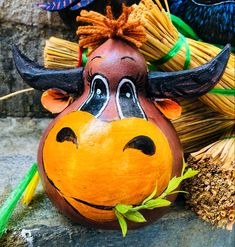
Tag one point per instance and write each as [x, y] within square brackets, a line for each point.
[97, 99]
[128, 102]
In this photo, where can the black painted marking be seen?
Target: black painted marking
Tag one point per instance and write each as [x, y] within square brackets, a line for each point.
[127, 101]
[74, 209]
[142, 143]
[52, 183]
[94, 206]
[95, 57]
[127, 57]
[101, 207]
[98, 96]
[67, 134]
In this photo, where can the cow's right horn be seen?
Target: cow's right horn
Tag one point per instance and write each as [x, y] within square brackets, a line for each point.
[38, 77]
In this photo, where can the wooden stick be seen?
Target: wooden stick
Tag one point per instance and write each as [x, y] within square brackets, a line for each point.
[10, 95]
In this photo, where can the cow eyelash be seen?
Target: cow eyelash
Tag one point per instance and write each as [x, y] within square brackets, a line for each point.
[89, 76]
[138, 79]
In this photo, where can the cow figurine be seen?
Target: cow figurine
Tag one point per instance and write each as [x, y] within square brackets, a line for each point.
[112, 145]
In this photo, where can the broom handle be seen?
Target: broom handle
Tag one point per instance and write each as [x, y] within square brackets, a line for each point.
[7, 208]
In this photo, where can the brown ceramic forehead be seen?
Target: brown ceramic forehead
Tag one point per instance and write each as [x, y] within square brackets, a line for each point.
[116, 59]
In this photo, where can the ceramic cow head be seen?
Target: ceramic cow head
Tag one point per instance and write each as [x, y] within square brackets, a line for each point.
[112, 145]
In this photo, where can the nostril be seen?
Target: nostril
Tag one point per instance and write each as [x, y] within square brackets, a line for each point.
[143, 143]
[67, 134]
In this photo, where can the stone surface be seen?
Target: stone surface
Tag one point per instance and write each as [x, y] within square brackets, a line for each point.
[26, 12]
[24, 24]
[41, 224]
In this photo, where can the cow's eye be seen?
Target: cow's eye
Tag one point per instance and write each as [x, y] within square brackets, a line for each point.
[98, 96]
[127, 100]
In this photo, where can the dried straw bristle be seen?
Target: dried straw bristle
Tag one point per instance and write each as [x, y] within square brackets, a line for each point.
[106, 27]
[61, 54]
[211, 193]
[161, 37]
[199, 125]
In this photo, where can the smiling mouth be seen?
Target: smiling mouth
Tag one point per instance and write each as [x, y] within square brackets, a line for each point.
[102, 207]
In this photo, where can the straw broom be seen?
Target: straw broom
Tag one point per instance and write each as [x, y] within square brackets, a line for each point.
[211, 193]
[199, 125]
[161, 38]
[61, 54]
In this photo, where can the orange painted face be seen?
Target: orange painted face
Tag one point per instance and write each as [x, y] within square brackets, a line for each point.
[95, 165]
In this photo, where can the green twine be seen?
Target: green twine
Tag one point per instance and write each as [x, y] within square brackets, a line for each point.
[188, 32]
[229, 137]
[174, 50]
[7, 208]
[84, 57]
[187, 55]
[225, 92]
[184, 28]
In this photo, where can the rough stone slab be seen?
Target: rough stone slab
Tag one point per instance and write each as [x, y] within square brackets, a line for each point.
[41, 224]
[27, 26]
[31, 41]
[26, 12]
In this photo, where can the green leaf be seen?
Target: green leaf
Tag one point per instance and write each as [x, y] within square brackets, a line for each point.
[157, 203]
[122, 208]
[122, 223]
[190, 173]
[132, 213]
[173, 184]
[135, 216]
[150, 196]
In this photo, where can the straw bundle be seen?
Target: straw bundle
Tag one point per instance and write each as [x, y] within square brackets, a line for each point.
[162, 36]
[61, 54]
[199, 125]
[211, 193]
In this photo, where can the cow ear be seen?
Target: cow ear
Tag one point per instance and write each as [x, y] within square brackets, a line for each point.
[170, 108]
[188, 83]
[55, 100]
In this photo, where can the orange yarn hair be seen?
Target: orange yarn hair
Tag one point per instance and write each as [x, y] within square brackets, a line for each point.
[106, 27]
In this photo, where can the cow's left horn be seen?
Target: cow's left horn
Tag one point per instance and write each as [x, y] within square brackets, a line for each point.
[188, 83]
[38, 77]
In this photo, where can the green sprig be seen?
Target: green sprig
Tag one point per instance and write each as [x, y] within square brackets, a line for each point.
[132, 213]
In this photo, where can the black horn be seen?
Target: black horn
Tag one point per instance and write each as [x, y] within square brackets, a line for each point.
[188, 83]
[40, 78]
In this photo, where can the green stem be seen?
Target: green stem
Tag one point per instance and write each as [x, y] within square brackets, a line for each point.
[7, 208]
